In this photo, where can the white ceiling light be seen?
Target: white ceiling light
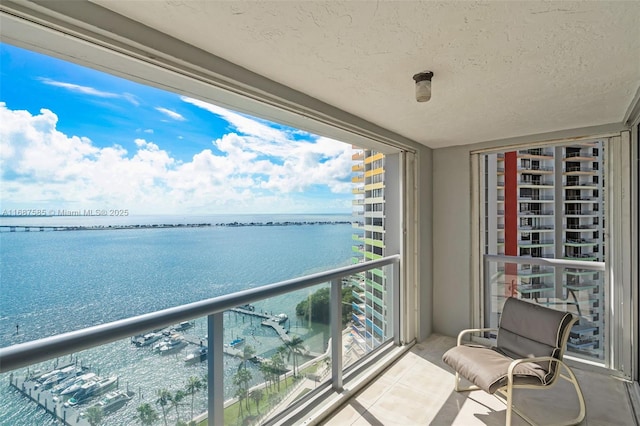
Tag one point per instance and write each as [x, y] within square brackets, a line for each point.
[423, 86]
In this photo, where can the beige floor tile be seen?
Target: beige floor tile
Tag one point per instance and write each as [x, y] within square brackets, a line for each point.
[418, 390]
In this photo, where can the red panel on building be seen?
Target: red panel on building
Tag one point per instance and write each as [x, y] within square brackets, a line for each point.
[511, 219]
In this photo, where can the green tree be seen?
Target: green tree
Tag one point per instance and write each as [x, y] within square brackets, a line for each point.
[146, 414]
[267, 373]
[176, 400]
[94, 415]
[256, 395]
[193, 385]
[164, 398]
[241, 380]
[247, 353]
[320, 306]
[294, 347]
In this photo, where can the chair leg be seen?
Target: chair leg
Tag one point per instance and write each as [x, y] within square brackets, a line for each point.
[508, 400]
[459, 388]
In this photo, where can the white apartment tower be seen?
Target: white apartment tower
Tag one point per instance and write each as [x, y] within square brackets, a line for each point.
[548, 202]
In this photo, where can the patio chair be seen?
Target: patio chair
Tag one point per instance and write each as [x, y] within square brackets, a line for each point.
[528, 354]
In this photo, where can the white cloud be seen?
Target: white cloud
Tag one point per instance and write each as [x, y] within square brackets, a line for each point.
[171, 114]
[45, 168]
[87, 90]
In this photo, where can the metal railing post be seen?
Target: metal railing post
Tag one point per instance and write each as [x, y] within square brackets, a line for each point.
[336, 334]
[215, 372]
[395, 297]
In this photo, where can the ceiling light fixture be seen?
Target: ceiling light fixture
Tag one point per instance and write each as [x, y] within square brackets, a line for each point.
[423, 86]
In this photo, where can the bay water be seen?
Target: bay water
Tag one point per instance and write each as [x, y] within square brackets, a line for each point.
[57, 281]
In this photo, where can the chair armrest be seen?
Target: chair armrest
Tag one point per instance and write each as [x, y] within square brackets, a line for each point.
[472, 330]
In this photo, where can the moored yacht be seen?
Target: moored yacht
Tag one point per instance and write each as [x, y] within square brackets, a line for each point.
[78, 383]
[196, 356]
[92, 389]
[172, 346]
[114, 400]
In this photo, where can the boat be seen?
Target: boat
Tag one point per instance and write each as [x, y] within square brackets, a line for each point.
[68, 382]
[92, 389]
[114, 400]
[174, 345]
[247, 307]
[60, 376]
[77, 384]
[82, 394]
[196, 356]
[281, 318]
[146, 339]
[236, 342]
[184, 325]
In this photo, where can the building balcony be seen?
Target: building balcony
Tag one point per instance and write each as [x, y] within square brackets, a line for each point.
[536, 169]
[529, 198]
[580, 242]
[526, 183]
[541, 243]
[578, 170]
[580, 185]
[577, 156]
[420, 379]
[582, 227]
[536, 213]
[535, 153]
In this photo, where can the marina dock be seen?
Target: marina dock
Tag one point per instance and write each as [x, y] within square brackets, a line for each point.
[28, 387]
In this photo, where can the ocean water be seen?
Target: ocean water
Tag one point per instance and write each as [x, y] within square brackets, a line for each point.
[54, 282]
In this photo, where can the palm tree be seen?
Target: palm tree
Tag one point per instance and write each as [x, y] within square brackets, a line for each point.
[146, 414]
[241, 379]
[295, 347]
[278, 366]
[94, 415]
[164, 397]
[256, 395]
[268, 373]
[247, 353]
[175, 401]
[193, 385]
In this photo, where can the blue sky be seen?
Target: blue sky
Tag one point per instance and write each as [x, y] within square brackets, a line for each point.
[75, 138]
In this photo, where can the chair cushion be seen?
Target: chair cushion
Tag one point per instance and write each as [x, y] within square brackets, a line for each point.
[528, 330]
[487, 368]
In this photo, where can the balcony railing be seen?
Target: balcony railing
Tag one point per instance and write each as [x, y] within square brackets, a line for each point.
[578, 287]
[214, 309]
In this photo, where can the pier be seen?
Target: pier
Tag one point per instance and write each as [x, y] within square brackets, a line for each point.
[51, 403]
[267, 321]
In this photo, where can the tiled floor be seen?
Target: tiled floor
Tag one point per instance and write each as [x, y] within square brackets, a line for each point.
[418, 390]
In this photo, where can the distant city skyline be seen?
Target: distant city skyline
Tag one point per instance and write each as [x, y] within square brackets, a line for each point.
[76, 138]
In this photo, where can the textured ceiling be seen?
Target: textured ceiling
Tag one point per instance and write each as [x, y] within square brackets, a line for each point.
[502, 69]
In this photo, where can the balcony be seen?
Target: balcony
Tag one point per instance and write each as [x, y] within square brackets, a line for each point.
[421, 379]
[321, 97]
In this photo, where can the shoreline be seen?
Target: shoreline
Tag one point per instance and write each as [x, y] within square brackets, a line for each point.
[49, 228]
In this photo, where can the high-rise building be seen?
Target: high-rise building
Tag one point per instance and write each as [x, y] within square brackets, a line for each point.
[549, 202]
[370, 307]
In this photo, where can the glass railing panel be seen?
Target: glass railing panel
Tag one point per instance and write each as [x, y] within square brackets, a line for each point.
[248, 360]
[576, 287]
[146, 378]
[276, 351]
